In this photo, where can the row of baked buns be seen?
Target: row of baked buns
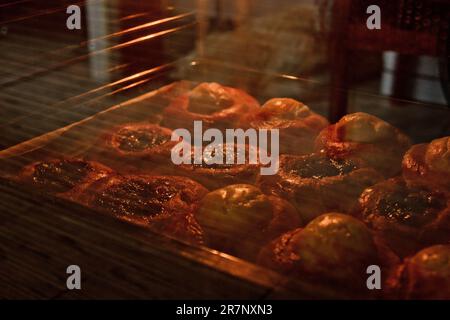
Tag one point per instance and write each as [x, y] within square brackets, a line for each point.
[146, 147]
[333, 248]
[163, 203]
[358, 141]
[396, 203]
[346, 195]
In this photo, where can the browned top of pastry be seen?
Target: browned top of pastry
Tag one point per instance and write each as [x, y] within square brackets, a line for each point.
[62, 175]
[316, 183]
[138, 139]
[221, 157]
[239, 218]
[298, 125]
[284, 113]
[363, 136]
[394, 201]
[333, 248]
[218, 167]
[429, 164]
[426, 275]
[209, 98]
[212, 103]
[316, 166]
[407, 217]
[143, 199]
[437, 156]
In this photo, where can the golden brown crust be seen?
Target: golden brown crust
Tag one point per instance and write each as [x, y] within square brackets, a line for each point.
[426, 275]
[215, 105]
[360, 136]
[333, 248]
[165, 203]
[141, 147]
[64, 177]
[428, 164]
[297, 124]
[214, 176]
[407, 218]
[239, 219]
[315, 184]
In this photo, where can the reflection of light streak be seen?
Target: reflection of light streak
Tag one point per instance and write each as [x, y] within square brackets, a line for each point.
[129, 86]
[87, 93]
[290, 77]
[132, 16]
[41, 13]
[118, 67]
[145, 38]
[139, 27]
[132, 77]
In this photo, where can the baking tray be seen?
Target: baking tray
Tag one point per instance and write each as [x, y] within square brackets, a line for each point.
[40, 234]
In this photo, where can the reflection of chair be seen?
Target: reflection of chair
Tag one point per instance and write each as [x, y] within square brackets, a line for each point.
[409, 27]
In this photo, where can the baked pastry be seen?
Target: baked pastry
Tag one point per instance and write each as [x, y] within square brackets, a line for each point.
[239, 219]
[297, 124]
[426, 275]
[408, 218]
[360, 136]
[428, 164]
[215, 105]
[316, 184]
[213, 175]
[165, 203]
[333, 249]
[128, 147]
[65, 177]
